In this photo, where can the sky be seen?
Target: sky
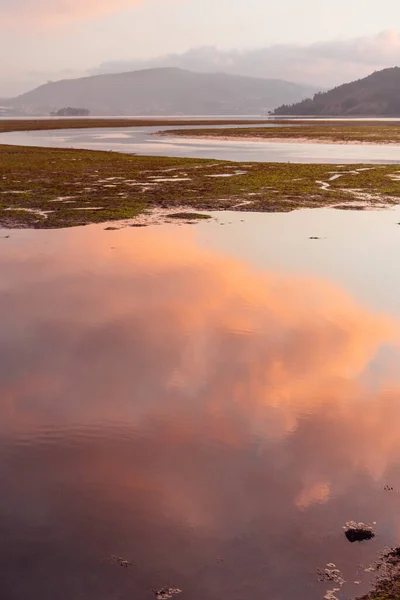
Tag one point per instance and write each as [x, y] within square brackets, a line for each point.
[315, 42]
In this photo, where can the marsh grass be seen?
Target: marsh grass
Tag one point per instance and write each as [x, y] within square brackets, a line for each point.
[62, 182]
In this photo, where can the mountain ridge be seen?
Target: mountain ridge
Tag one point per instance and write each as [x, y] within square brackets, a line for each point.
[159, 91]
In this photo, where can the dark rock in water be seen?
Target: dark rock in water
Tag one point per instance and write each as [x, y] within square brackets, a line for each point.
[111, 228]
[166, 592]
[124, 563]
[359, 535]
[138, 225]
[119, 560]
[313, 237]
[358, 532]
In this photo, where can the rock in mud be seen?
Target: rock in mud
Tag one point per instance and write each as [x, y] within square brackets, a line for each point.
[358, 532]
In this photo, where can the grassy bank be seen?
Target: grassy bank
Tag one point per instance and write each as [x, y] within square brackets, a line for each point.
[45, 188]
[339, 133]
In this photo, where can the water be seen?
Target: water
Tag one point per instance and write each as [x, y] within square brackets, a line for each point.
[209, 402]
[143, 140]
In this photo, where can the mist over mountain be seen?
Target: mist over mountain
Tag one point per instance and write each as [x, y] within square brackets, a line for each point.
[162, 91]
[375, 95]
[324, 63]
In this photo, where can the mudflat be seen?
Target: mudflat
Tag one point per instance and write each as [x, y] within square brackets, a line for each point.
[50, 188]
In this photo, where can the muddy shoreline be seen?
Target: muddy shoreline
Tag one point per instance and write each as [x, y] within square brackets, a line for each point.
[280, 140]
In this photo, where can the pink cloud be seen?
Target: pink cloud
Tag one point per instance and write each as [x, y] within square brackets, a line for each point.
[53, 11]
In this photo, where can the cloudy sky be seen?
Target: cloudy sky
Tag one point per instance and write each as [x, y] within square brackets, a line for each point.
[321, 43]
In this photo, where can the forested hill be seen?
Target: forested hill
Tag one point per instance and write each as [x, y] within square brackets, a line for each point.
[375, 95]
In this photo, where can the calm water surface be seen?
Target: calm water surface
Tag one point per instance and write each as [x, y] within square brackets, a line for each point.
[209, 402]
[142, 140]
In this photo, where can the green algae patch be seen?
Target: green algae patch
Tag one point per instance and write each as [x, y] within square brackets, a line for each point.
[51, 187]
[188, 216]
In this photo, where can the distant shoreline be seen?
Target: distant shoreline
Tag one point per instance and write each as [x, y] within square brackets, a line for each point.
[40, 124]
[53, 123]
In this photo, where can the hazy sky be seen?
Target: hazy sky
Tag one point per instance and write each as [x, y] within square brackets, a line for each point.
[41, 38]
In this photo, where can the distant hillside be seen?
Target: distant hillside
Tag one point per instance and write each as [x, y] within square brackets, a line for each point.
[375, 95]
[166, 91]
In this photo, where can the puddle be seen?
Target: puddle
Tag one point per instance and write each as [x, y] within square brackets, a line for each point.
[227, 174]
[89, 208]
[34, 211]
[160, 179]
[205, 406]
[62, 199]
[324, 185]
